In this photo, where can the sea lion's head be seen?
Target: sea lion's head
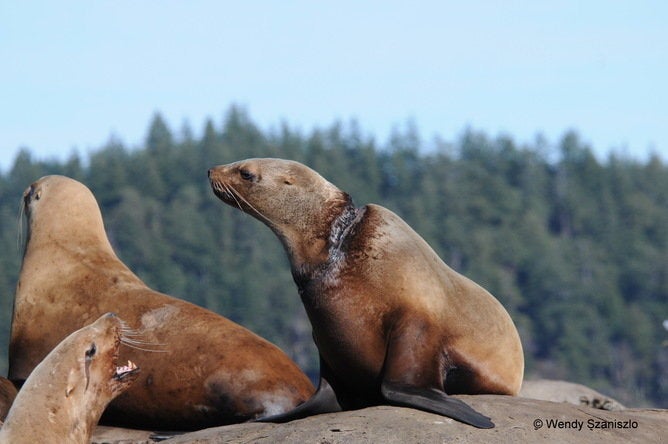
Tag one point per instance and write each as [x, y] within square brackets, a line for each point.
[89, 356]
[297, 203]
[60, 208]
[65, 395]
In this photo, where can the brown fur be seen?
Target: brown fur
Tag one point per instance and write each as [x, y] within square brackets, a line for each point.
[7, 395]
[383, 306]
[212, 371]
[65, 395]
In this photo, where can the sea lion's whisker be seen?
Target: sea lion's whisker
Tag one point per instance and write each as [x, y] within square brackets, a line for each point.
[221, 188]
[19, 239]
[68, 218]
[132, 336]
[143, 345]
[271, 222]
[150, 350]
[138, 341]
[74, 395]
[231, 193]
[224, 188]
[129, 331]
[134, 339]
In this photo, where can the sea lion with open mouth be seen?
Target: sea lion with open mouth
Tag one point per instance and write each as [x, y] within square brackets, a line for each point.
[65, 395]
[201, 369]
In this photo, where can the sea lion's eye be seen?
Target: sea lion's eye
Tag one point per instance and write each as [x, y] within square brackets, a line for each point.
[91, 351]
[246, 175]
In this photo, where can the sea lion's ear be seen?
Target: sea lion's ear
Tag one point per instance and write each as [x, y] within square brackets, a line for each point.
[72, 380]
[289, 180]
[90, 355]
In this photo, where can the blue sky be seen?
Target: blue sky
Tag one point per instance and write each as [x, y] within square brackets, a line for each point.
[75, 72]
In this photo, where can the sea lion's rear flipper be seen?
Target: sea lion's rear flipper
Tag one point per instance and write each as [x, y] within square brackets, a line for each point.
[435, 401]
[323, 401]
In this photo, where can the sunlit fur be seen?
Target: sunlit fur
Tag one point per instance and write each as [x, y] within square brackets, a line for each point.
[386, 311]
[67, 392]
[199, 369]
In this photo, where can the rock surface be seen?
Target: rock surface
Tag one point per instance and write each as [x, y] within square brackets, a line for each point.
[517, 420]
[562, 391]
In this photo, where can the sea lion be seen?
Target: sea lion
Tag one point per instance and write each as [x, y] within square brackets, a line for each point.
[206, 371]
[392, 322]
[64, 396]
[7, 395]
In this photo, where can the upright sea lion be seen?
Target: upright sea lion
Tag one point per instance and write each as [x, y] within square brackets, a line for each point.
[392, 322]
[7, 395]
[211, 371]
[64, 396]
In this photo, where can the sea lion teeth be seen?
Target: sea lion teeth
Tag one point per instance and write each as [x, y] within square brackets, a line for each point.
[53, 406]
[71, 273]
[126, 368]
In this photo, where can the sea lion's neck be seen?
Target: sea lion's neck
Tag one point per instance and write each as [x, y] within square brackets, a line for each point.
[325, 242]
[69, 416]
[341, 226]
[57, 252]
[80, 230]
[56, 247]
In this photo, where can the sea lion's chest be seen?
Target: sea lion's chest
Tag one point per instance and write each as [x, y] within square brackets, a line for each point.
[348, 327]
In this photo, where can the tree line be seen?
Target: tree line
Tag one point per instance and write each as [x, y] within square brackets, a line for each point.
[575, 248]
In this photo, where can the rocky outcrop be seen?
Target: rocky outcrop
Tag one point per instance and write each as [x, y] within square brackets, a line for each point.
[562, 391]
[517, 420]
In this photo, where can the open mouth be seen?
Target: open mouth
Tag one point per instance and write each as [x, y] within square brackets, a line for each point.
[126, 370]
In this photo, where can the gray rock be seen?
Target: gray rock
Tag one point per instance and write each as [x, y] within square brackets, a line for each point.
[517, 420]
[563, 391]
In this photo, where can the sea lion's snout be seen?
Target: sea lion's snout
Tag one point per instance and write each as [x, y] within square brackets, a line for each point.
[219, 185]
[214, 175]
[217, 173]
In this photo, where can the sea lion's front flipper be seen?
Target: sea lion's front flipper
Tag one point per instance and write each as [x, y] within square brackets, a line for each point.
[435, 401]
[412, 378]
[323, 401]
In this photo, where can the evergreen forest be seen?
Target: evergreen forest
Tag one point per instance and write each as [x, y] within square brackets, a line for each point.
[575, 247]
